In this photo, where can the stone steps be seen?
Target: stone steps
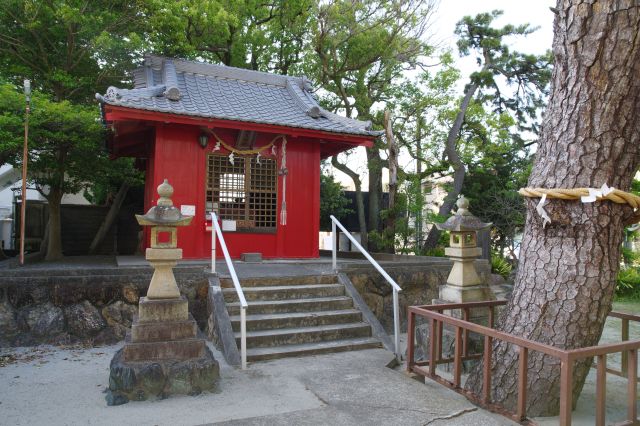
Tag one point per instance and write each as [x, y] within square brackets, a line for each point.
[296, 316]
[297, 319]
[294, 305]
[282, 281]
[306, 349]
[285, 292]
[290, 336]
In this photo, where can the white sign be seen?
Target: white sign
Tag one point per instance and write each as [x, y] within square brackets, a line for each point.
[188, 210]
[229, 225]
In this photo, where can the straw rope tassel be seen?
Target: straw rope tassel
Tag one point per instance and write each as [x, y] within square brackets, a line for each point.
[283, 172]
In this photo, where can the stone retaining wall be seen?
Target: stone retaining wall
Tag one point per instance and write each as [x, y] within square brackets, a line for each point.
[419, 282]
[71, 306]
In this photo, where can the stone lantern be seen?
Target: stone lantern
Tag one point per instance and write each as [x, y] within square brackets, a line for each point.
[463, 283]
[163, 353]
[163, 218]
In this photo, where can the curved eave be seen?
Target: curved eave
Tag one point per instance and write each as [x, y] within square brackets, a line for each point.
[113, 113]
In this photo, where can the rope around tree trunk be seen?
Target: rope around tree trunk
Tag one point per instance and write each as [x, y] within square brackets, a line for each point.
[588, 195]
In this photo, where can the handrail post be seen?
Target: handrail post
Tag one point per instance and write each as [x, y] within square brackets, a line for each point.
[632, 386]
[213, 244]
[522, 384]
[625, 354]
[410, 340]
[243, 336]
[396, 323]
[566, 391]
[334, 254]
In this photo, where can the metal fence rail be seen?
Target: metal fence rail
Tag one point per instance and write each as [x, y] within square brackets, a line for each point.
[236, 283]
[396, 288]
[567, 358]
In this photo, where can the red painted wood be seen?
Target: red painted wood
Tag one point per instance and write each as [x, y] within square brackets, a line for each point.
[177, 156]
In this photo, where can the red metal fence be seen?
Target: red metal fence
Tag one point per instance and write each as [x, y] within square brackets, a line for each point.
[462, 327]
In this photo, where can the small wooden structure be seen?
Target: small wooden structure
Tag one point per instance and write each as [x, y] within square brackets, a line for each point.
[247, 144]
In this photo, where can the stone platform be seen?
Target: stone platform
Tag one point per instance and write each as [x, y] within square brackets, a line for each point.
[143, 380]
[162, 355]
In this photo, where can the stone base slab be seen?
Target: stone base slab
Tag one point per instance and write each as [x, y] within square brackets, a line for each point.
[179, 350]
[161, 331]
[139, 381]
[163, 310]
[461, 294]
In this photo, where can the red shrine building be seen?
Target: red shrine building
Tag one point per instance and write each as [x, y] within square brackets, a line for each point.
[245, 144]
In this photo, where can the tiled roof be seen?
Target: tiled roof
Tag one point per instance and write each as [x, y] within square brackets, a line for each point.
[215, 91]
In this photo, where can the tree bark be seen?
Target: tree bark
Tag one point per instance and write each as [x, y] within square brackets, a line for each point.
[109, 218]
[456, 163]
[393, 179]
[54, 246]
[364, 237]
[591, 136]
[374, 165]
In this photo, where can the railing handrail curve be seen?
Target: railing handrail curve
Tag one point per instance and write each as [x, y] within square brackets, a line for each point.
[366, 255]
[236, 283]
[227, 259]
[394, 285]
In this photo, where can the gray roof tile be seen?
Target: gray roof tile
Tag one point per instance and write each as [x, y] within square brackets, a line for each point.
[216, 91]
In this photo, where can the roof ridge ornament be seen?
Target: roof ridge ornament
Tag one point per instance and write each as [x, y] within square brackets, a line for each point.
[170, 79]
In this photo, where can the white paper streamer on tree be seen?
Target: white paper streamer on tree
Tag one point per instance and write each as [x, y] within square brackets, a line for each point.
[543, 214]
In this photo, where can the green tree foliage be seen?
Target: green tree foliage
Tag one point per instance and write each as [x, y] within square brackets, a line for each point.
[513, 83]
[65, 149]
[332, 201]
[360, 50]
[69, 48]
[265, 36]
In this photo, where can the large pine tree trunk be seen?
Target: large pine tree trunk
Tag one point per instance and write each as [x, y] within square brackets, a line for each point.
[591, 135]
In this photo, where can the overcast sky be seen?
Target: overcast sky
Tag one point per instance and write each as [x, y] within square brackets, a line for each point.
[534, 12]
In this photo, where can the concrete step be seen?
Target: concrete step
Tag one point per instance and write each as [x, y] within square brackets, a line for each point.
[293, 336]
[281, 281]
[285, 292]
[297, 319]
[305, 349]
[294, 305]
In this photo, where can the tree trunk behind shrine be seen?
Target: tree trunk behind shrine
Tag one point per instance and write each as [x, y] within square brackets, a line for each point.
[591, 135]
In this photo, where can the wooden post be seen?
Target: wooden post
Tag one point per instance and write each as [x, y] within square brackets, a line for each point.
[566, 392]
[457, 361]
[109, 218]
[522, 383]
[601, 386]
[486, 385]
[632, 387]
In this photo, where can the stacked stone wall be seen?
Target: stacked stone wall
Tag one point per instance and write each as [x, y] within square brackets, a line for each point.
[75, 306]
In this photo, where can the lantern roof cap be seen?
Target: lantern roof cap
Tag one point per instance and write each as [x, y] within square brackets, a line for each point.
[164, 213]
[463, 220]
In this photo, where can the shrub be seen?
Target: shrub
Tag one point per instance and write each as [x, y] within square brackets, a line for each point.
[500, 265]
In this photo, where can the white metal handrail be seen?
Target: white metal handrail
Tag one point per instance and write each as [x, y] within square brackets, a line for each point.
[236, 283]
[396, 288]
